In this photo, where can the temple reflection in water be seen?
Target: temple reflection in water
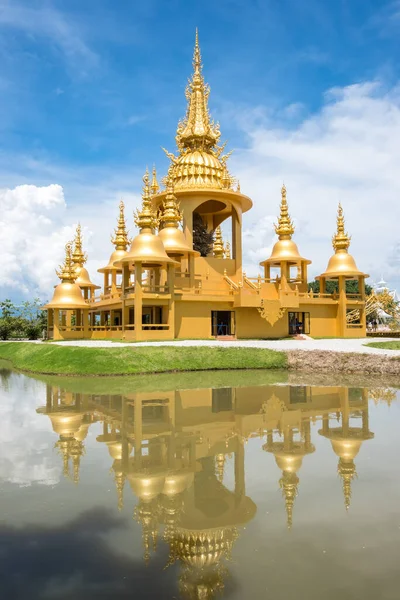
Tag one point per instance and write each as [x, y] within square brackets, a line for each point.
[170, 449]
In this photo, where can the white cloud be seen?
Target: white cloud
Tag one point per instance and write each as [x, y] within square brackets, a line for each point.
[347, 152]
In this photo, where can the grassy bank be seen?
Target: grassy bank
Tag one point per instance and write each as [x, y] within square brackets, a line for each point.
[52, 359]
[385, 345]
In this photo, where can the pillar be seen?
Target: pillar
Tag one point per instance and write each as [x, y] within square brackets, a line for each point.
[106, 282]
[322, 285]
[342, 307]
[137, 426]
[50, 321]
[56, 324]
[138, 301]
[237, 242]
[240, 485]
[85, 323]
[171, 303]
[188, 226]
[191, 268]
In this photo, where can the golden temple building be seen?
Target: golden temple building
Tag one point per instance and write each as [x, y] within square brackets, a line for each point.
[164, 284]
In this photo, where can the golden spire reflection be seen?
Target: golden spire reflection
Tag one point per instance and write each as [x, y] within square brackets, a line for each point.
[284, 227]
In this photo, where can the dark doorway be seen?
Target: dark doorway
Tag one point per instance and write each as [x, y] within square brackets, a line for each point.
[299, 322]
[223, 322]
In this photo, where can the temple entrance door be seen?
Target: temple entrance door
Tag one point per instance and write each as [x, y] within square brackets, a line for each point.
[223, 322]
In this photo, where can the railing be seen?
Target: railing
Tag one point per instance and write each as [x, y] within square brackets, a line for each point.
[354, 326]
[157, 326]
[149, 289]
[105, 327]
[71, 328]
[311, 294]
[233, 285]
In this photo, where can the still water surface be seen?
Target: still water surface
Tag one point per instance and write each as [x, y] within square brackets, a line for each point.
[252, 486]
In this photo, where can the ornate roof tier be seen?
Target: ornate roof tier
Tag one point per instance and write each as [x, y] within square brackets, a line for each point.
[285, 250]
[78, 260]
[341, 264]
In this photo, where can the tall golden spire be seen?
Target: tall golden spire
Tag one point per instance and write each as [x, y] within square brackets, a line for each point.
[197, 130]
[218, 247]
[227, 251]
[120, 238]
[340, 241]
[78, 256]
[146, 218]
[66, 271]
[284, 228]
[170, 215]
[289, 483]
[154, 183]
[347, 471]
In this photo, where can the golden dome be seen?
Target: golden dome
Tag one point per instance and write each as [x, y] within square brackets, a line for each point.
[204, 548]
[284, 249]
[115, 257]
[82, 432]
[341, 264]
[67, 295]
[113, 442]
[178, 482]
[288, 462]
[146, 486]
[83, 279]
[197, 168]
[66, 423]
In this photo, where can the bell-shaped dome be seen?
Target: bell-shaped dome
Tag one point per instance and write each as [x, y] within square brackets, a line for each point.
[177, 482]
[66, 423]
[115, 257]
[146, 486]
[172, 237]
[83, 279]
[67, 294]
[341, 264]
[284, 250]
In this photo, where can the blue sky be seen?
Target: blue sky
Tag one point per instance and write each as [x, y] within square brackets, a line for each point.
[90, 91]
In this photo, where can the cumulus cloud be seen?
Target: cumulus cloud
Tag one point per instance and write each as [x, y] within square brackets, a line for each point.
[347, 152]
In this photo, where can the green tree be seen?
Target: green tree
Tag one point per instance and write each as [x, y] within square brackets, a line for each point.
[333, 286]
[203, 239]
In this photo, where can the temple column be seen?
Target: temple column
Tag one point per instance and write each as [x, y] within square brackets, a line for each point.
[342, 307]
[240, 485]
[138, 301]
[50, 321]
[188, 226]
[56, 324]
[171, 303]
[85, 323]
[105, 282]
[267, 272]
[322, 285]
[304, 272]
[237, 243]
[191, 269]
[137, 426]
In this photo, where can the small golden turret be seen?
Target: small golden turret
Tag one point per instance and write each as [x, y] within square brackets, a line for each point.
[218, 247]
[120, 240]
[289, 483]
[67, 294]
[284, 250]
[284, 228]
[341, 263]
[347, 472]
[146, 514]
[154, 183]
[78, 256]
[146, 217]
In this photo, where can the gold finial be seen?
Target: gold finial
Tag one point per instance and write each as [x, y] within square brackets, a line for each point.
[170, 216]
[238, 186]
[120, 238]
[220, 466]
[226, 179]
[78, 256]
[289, 484]
[347, 472]
[340, 241]
[218, 247]
[284, 228]
[227, 250]
[66, 271]
[146, 218]
[154, 183]
[197, 130]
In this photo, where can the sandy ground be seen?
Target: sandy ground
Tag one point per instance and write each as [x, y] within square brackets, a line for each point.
[330, 345]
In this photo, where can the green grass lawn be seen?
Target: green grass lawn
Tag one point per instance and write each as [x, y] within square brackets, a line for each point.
[385, 345]
[54, 359]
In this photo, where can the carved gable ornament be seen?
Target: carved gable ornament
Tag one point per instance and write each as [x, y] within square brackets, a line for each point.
[271, 311]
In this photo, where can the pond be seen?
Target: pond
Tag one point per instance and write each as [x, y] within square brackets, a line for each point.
[203, 485]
